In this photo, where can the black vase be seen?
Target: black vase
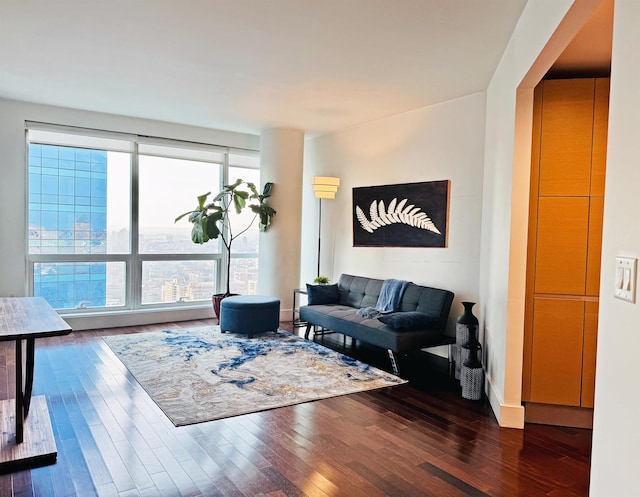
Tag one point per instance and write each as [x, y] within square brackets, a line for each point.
[471, 348]
[466, 326]
[472, 374]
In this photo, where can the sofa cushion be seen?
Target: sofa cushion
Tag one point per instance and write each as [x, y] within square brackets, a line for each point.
[411, 320]
[322, 294]
[358, 291]
[344, 319]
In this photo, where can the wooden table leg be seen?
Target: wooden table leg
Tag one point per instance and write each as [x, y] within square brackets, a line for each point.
[19, 394]
[23, 389]
[28, 383]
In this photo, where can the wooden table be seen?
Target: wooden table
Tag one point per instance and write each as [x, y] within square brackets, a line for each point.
[27, 440]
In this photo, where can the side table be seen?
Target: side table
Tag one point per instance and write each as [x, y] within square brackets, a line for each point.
[295, 318]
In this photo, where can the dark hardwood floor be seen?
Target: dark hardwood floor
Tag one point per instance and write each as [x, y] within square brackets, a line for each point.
[419, 439]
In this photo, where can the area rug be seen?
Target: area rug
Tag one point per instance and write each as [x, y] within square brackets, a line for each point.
[202, 374]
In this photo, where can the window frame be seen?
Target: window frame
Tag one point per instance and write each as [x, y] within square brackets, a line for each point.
[134, 260]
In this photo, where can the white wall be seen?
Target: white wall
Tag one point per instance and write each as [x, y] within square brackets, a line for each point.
[616, 432]
[13, 114]
[440, 142]
[534, 45]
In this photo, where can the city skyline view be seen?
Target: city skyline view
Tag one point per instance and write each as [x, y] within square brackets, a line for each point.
[80, 203]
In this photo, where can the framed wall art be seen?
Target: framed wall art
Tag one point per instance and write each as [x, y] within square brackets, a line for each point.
[403, 215]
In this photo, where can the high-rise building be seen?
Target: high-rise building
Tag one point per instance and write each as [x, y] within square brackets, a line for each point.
[68, 215]
[171, 291]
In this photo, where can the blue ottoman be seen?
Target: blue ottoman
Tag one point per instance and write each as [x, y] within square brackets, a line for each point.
[249, 314]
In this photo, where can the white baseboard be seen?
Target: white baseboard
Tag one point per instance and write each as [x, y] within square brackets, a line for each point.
[508, 416]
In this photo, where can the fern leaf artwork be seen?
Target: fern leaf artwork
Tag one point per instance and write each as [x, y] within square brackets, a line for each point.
[364, 222]
[401, 215]
[395, 213]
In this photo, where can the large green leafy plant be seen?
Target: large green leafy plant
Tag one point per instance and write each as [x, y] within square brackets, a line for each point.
[211, 220]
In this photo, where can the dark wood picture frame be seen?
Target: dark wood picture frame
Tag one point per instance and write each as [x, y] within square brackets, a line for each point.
[402, 215]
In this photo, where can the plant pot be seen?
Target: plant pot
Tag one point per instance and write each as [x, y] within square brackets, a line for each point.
[217, 298]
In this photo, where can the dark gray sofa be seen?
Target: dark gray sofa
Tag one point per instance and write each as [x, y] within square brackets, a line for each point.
[356, 292]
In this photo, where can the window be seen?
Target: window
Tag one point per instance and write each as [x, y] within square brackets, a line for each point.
[101, 231]
[244, 260]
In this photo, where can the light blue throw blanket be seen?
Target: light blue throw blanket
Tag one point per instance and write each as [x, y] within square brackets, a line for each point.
[388, 300]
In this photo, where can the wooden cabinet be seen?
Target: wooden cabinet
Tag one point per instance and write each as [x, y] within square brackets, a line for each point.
[594, 246]
[561, 248]
[566, 137]
[556, 356]
[565, 241]
[589, 353]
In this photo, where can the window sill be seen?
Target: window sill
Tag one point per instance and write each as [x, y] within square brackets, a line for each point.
[114, 319]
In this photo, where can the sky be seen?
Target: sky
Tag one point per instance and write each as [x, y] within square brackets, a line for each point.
[168, 187]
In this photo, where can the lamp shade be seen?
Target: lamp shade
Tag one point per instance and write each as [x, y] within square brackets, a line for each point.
[325, 186]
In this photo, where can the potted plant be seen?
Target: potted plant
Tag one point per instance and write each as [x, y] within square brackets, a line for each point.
[211, 220]
[321, 280]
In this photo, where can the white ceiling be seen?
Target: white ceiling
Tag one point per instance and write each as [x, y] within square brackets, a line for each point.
[244, 65]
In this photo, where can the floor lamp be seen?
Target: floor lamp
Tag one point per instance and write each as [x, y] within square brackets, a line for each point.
[323, 187]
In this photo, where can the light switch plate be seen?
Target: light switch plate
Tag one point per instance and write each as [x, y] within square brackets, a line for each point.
[625, 279]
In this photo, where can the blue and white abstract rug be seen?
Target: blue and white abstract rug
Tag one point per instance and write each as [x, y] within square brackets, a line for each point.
[202, 374]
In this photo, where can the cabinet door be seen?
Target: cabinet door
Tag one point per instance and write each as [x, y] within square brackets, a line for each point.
[594, 250]
[561, 249]
[556, 358]
[566, 137]
[589, 353]
[600, 127]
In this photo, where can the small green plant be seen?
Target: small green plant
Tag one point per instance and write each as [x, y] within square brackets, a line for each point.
[321, 280]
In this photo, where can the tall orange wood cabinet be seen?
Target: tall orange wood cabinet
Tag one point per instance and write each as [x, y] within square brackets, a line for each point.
[565, 240]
